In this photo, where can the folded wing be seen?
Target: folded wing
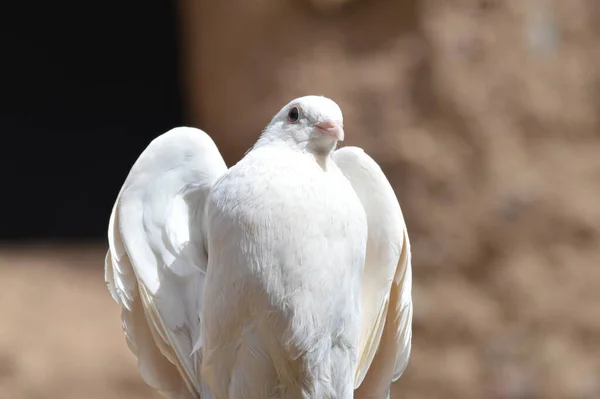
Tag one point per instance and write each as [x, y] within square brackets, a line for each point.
[386, 302]
[156, 263]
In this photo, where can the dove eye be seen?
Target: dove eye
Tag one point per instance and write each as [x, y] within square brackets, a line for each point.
[294, 114]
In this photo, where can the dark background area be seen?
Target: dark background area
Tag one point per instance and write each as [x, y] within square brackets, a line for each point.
[84, 88]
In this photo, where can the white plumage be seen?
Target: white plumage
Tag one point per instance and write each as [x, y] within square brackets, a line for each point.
[286, 276]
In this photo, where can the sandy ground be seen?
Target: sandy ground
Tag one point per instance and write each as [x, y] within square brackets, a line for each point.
[60, 334]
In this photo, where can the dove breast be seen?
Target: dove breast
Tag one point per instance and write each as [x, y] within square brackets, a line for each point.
[287, 242]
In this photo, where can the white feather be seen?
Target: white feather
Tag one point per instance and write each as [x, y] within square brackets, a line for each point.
[386, 302]
[156, 263]
[287, 243]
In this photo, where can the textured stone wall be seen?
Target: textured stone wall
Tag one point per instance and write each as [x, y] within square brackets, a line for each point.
[485, 116]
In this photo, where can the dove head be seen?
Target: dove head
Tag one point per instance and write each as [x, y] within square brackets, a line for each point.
[310, 123]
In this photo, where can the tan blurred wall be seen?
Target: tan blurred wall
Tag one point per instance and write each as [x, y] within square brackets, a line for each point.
[485, 119]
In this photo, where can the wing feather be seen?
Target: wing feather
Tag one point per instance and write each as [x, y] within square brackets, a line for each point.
[156, 263]
[386, 302]
[402, 312]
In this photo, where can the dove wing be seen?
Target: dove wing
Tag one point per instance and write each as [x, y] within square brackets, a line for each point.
[156, 263]
[386, 302]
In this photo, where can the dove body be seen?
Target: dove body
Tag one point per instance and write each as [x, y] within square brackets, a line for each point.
[290, 325]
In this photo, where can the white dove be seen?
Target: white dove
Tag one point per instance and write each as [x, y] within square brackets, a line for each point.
[286, 276]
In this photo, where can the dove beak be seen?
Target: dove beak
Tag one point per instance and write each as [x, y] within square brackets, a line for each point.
[332, 129]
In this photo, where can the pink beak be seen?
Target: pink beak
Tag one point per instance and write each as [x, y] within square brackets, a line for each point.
[332, 129]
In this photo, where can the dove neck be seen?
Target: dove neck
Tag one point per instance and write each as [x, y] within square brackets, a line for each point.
[320, 151]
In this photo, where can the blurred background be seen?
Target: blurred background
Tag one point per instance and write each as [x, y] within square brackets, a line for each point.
[485, 115]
